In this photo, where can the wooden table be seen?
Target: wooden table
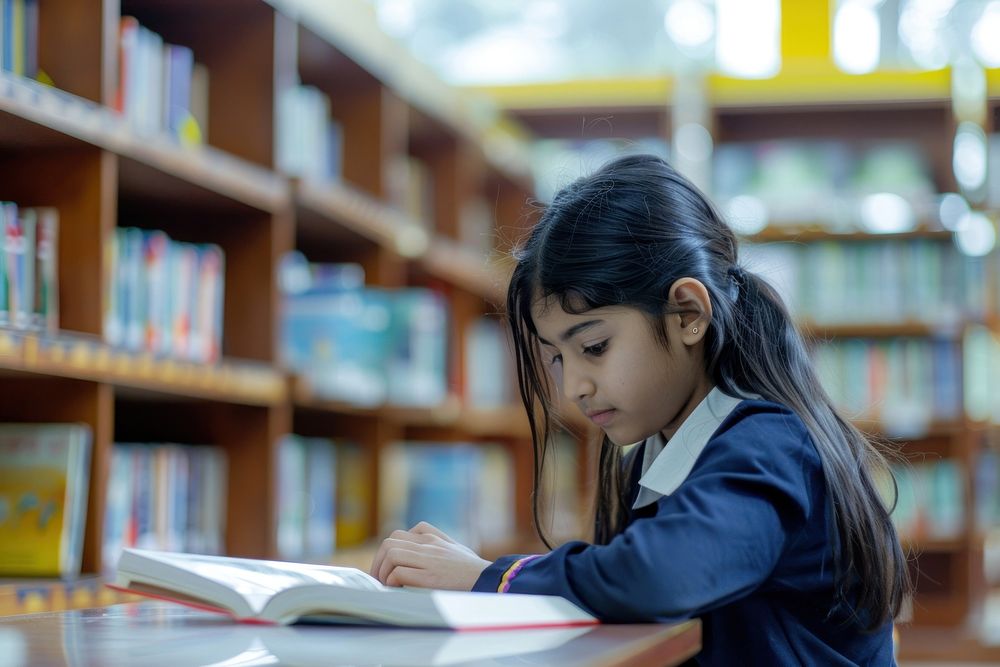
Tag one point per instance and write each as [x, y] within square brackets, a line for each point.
[151, 634]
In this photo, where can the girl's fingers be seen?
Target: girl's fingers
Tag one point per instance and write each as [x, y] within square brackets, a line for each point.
[405, 576]
[424, 528]
[400, 553]
[397, 539]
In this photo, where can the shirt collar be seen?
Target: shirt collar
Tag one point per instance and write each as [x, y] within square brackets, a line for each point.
[664, 468]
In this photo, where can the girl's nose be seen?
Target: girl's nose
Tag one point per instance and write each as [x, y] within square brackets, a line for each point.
[576, 385]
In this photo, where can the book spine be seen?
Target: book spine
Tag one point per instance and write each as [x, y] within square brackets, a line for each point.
[76, 499]
[26, 270]
[5, 314]
[126, 99]
[320, 486]
[291, 497]
[46, 316]
[156, 253]
[179, 63]
[6, 42]
[17, 37]
[135, 288]
[31, 38]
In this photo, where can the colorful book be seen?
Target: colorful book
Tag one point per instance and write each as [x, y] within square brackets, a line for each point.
[44, 473]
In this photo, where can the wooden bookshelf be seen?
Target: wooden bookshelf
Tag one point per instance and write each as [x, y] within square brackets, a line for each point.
[817, 231]
[903, 329]
[36, 116]
[26, 596]
[944, 570]
[83, 358]
[451, 416]
[66, 146]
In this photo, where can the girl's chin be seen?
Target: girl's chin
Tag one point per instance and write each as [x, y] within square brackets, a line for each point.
[623, 438]
[622, 441]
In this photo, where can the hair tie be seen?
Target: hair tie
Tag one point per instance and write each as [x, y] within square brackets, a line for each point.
[738, 279]
[737, 275]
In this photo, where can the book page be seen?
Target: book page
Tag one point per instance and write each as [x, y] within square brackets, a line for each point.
[258, 580]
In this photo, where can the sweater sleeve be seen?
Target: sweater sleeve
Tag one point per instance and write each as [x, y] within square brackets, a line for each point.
[715, 539]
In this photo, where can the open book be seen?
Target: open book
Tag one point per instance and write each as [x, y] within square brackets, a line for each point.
[262, 591]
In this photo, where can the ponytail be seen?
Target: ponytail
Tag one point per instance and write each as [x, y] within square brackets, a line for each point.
[764, 354]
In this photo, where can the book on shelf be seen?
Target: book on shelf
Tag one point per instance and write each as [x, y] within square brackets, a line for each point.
[363, 345]
[310, 142]
[44, 470]
[489, 380]
[281, 593]
[353, 498]
[165, 297]
[307, 474]
[160, 86]
[29, 288]
[19, 37]
[465, 489]
[164, 496]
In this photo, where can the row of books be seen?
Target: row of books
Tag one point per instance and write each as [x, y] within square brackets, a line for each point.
[877, 282]
[411, 187]
[165, 496]
[905, 384]
[161, 89]
[364, 345]
[19, 37]
[800, 181]
[29, 285]
[986, 490]
[490, 377]
[44, 478]
[931, 500]
[981, 348]
[165, 297]
[323, 500]
[310, 142]
[466, 490]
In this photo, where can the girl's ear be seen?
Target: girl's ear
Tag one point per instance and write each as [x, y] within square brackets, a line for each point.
[690, 297]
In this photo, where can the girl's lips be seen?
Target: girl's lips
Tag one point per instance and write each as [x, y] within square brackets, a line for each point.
[603, 417]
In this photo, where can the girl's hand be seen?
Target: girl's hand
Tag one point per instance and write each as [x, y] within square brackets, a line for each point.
[427, 558]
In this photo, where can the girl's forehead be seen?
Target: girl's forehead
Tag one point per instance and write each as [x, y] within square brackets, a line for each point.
[551, 308]
[548, 314]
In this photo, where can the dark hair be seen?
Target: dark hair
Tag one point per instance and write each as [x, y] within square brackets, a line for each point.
[623, 236]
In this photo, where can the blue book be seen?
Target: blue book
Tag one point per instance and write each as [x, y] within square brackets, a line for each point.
[7, 38]
[179, 63]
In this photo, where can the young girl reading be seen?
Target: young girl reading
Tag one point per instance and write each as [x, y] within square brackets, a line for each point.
[749, 502]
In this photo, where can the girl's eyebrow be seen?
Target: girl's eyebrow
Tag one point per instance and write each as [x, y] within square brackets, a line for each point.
[572, 331]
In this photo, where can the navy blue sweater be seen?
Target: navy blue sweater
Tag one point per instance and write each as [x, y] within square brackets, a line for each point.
[744, 543]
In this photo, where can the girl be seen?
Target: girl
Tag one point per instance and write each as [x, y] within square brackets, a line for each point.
[749, 503]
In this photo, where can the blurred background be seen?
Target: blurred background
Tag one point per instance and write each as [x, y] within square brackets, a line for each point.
[255, 252]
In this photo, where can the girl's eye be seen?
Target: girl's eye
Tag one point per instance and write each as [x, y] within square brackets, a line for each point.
[556, 359]
[596, 349]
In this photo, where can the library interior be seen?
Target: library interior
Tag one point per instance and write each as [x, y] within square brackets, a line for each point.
[261, 310]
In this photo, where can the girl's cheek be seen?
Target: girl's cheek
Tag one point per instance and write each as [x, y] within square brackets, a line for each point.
[556, 372]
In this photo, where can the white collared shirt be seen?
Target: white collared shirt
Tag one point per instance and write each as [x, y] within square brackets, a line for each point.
[665, 468]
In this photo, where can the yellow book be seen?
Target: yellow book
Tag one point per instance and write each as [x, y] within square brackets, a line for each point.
[44, 470]
[18, 34]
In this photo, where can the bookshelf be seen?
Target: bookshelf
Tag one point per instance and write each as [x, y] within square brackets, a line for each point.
[65, 146]
[811, 101]
[947, 570]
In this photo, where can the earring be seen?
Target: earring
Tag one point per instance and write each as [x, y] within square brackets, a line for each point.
[694, 330]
